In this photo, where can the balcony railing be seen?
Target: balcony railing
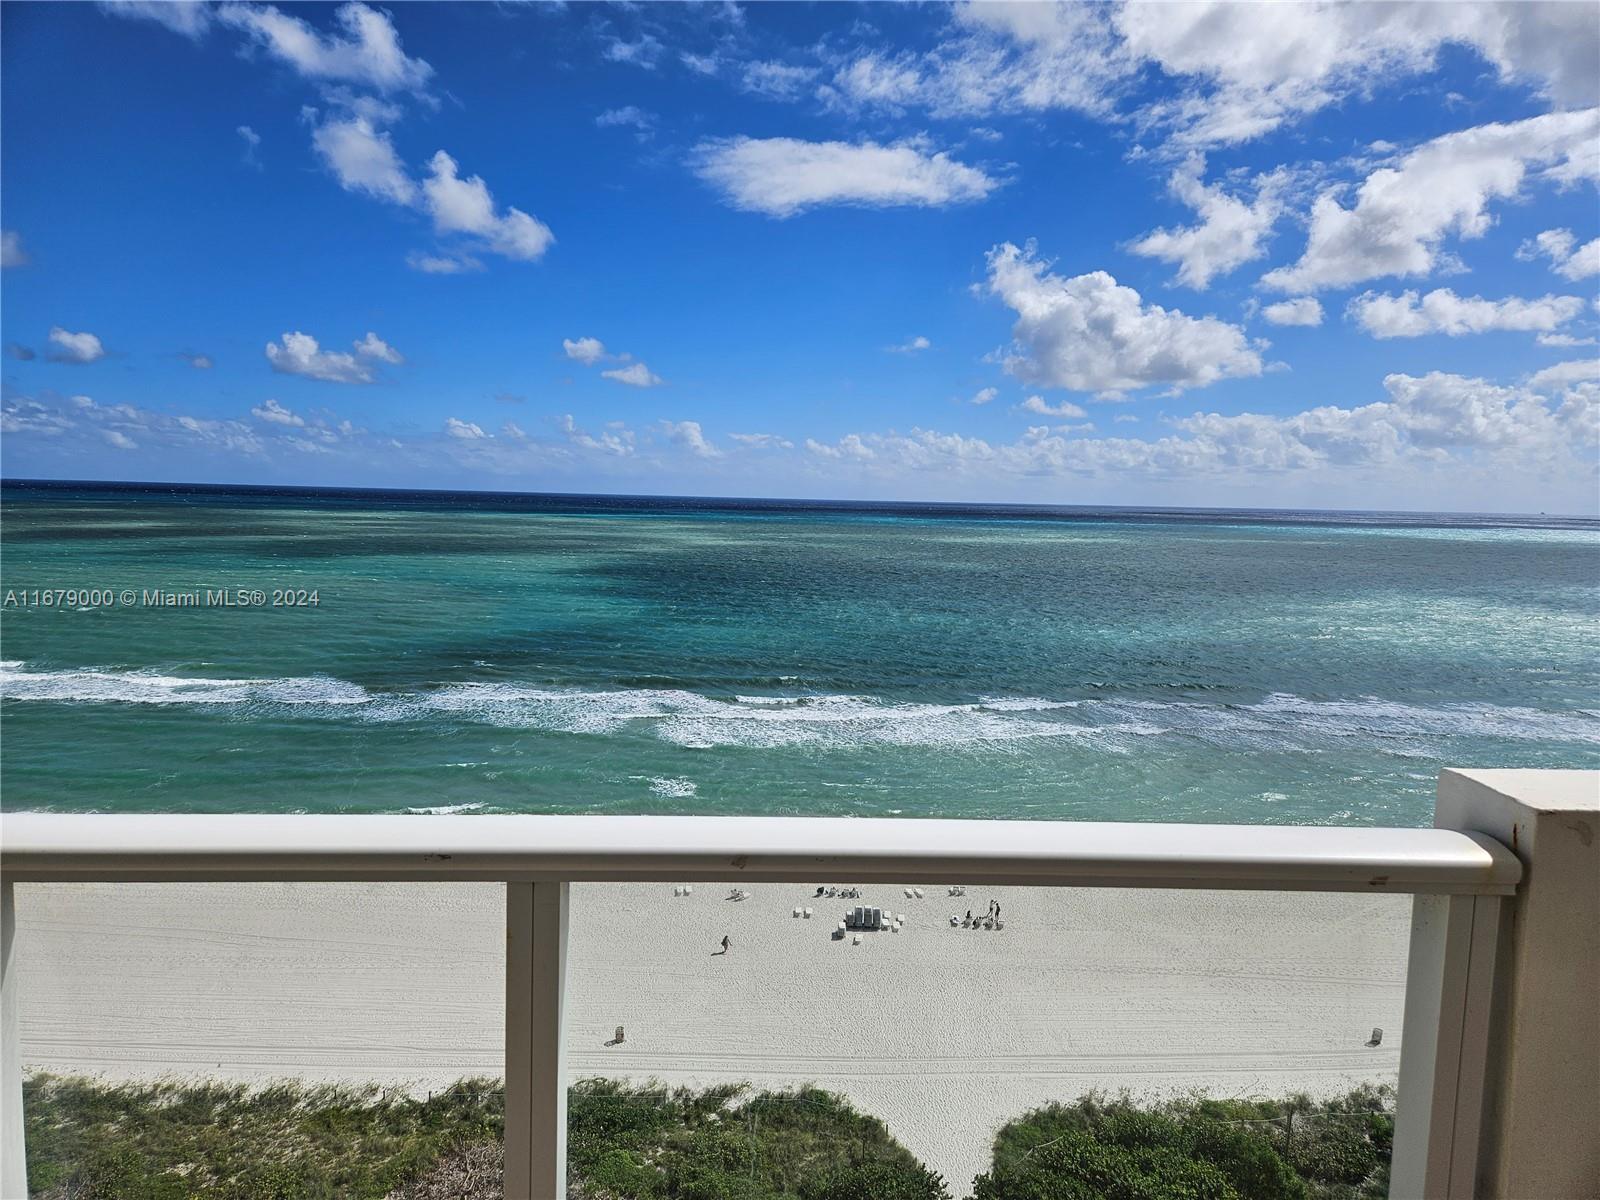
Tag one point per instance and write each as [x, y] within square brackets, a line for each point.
[1460, 879]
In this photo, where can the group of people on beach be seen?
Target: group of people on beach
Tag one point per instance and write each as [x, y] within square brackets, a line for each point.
[990, 919]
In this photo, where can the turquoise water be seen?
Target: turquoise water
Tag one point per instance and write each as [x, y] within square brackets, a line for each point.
[632, 656]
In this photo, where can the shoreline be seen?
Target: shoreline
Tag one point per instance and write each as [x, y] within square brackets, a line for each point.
[943, 1033]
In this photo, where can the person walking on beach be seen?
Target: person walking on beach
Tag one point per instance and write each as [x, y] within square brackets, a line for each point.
[726, 942]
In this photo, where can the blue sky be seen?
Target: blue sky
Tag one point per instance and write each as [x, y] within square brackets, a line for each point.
[1301, 255]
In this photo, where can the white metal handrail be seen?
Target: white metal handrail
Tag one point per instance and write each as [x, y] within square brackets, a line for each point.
[1458, 879]
[130, 848]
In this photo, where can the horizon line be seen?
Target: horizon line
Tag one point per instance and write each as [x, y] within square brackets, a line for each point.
[359, 489]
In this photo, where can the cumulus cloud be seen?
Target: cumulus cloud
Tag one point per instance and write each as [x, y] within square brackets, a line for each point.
[460, 205]
[200, 362]
[1088, 333]
[783, 177]
[618, 442]
[910, 346]
[11, 252]
[75, 347]
[373, 346]
[586, 350]
[1437, 421]
[985, 395]
[1236, 71]
[1305, 310]
[689, 436]
[464, 430]
[1565, 375]
[115, 437]
[1442, 311]
[851, 446]
[762, 441]
[363, 159]
[1250, 68]
[634, 375]
[1567, 258]
[1403, 213]
[368, 53]
[1229, 233]
[299, 354]
[1037, 404]
[274, 413]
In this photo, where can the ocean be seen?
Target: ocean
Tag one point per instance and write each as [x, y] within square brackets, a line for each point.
[207, 649]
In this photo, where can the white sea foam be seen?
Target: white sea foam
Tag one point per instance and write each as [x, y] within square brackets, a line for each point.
[152, 687]
[446, 810]
[1281, 722]
[673, 788]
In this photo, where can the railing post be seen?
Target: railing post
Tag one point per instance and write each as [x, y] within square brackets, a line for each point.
[1543, 1083]
[13, 1151]
[1444, 1049]
[536, 1078]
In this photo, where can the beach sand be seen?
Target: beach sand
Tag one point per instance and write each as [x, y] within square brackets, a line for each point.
[943, 1033]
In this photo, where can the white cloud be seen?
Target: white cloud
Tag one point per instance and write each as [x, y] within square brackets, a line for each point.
[779, 81]
[119, 439]
[851, 446]
[1229, 234]
[690, 437]
[785, 176]
[1089, 333]
[1564, 375]
[642, 53]
[634, 375]
[464, 430]
[75, 347]
[368, 54]
[911, 346]
[252, 140]
[300, 355]
[274, 413]
[11, 252]
[363, 159]
[762, 441]
[631, 116]
[1037, 404]
[191, 18]
[985, 395]
[1253, 67]
[1238, 70]
[200, 362]
[1567, 258]
[1564, 340]
[373, 346]
[465, 206]
[586, 350]
[443, 264]
[619, 442]
[1442, 311]
[998, 57]
[1433, 422]
[1403, 213]
[1305, 310]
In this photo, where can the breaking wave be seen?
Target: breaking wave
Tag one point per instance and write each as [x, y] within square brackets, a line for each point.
[1280, 722]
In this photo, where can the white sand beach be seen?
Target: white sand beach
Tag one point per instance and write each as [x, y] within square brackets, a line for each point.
[944, 1033]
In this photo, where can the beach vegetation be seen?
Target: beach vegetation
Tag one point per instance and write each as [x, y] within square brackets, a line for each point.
[173, 1141]
[1197, 1149]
